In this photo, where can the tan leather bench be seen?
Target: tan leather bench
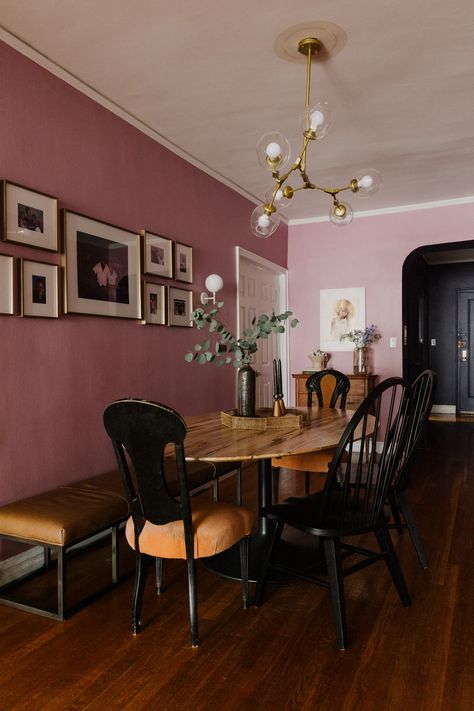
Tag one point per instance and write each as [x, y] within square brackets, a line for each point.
[61, 518]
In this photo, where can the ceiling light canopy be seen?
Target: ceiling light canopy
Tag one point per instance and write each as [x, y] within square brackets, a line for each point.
[273, 151]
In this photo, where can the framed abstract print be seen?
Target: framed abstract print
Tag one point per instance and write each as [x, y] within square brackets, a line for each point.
[180, 306]
[157, 255]
[154, 304]
[39, 289]
[183, 262]
[29, 217]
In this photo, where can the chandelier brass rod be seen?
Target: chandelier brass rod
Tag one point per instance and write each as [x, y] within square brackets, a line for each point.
[308, 78]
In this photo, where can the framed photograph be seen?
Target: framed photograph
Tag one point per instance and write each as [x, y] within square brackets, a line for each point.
[102, 268]
[180, 306]
[29, 217]
[6, 285]
[341, 311]
[154, 304]
[183, 263]
[39, 290]
[157, 255]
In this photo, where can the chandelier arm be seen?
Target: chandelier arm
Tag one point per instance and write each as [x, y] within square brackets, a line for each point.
[308, 78]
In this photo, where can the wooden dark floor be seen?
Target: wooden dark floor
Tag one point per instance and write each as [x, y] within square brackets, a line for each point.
[283, 655]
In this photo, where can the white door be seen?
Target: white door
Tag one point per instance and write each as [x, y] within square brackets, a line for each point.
[262, 289]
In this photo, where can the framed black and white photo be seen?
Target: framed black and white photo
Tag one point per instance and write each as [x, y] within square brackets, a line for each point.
[183, 262]
[39, 289]
[7, 305]
[102, 268]
[180, 306]
[154, 304]
[29, 217]
[157, 255]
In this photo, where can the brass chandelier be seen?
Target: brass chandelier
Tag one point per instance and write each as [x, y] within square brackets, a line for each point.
[273, 151]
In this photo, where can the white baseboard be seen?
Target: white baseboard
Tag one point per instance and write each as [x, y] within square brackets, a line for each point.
[443, 410]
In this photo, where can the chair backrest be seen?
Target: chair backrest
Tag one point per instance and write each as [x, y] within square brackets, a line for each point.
[359, 476]
[423, 392]
[140, 430]
[339, 392]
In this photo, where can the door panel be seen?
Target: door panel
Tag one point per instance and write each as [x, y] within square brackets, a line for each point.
[465, 350]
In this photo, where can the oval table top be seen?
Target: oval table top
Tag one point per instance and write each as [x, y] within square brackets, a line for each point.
[208, 439]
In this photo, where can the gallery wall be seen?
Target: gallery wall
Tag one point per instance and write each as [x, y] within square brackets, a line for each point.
[368, 253]
[57, 375]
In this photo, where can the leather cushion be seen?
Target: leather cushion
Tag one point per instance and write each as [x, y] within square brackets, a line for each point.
[217, 527]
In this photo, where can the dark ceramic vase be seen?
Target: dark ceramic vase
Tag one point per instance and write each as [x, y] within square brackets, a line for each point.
[246, 391]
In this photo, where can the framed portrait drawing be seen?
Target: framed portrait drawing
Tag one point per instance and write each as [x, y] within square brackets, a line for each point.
[29, 217]
[180, 306]
[183, 263]
[102, 268]
[154, 304]
[39, 289]
[157, 255]
[341, 311]
[6, 285]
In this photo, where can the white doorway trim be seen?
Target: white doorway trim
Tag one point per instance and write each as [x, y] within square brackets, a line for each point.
[282, 274]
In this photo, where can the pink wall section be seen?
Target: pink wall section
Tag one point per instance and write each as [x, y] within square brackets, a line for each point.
[368, 253]
[58, 375]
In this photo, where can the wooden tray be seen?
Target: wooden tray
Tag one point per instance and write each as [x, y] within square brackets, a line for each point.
[265, 421]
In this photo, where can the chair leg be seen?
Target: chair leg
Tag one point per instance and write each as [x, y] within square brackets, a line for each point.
[141, 568]
[276, 483]
[410, 521]
[386, 546]
[215, 490]
[274, 530]
[395, 510]
[192, 590]
[159, 575]
[332, 554]
[244, 569]
[238, 478]
[307, 483]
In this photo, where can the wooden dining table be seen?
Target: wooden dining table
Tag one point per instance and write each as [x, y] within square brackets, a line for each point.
[209, 440]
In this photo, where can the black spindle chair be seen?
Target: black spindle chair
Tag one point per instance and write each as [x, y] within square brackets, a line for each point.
[333, 396]
[352, 501]
[423, 391]
[161, 526]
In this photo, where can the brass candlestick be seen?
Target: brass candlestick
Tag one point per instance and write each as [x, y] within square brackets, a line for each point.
[279, 408]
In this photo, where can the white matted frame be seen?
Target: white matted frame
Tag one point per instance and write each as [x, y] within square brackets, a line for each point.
[180, 306]
[102, 268]
[154, 304]
[341, 310]
[39, 289]
[6, 284]
[157, 255]
[183, 262]
[29, 217]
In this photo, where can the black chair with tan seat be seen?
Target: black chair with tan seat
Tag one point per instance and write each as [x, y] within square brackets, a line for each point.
[161, 526]
[331, 388]
[352, 501]
[423, 391]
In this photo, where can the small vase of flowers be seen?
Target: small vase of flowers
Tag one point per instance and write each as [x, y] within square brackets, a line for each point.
[361, 340]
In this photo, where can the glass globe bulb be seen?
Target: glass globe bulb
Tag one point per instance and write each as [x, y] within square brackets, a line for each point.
[214, 283]
[262, 224]
[273, 150]
[315, 121]
[279, 201]
[341, 214]
[369, 182]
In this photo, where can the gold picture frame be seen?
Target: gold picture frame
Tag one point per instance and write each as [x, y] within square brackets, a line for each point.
[29, 217]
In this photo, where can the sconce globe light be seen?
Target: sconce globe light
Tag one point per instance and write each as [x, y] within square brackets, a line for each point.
[213, 283]
[273, 151]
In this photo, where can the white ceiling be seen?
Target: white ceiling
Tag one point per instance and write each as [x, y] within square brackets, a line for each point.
[203, 75]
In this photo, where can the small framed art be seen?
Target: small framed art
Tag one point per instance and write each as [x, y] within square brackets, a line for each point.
[157, 255]
[102, 268]
[180, 306]
[39, 290]
[29, 217]
[341, 311]
[154, 304]
[6, 284]
[183, 262]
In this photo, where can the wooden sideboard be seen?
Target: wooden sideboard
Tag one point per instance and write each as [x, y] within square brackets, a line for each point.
[361, 385]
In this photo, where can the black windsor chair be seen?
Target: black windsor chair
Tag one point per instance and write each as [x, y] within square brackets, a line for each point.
[352, 501]
[331, 388]
[161, 526]
[423, 391]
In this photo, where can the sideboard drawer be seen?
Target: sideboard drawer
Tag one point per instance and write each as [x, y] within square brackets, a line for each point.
[361, 386]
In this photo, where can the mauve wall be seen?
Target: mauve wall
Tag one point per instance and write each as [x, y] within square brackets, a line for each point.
[368, 253]
[58, 375]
